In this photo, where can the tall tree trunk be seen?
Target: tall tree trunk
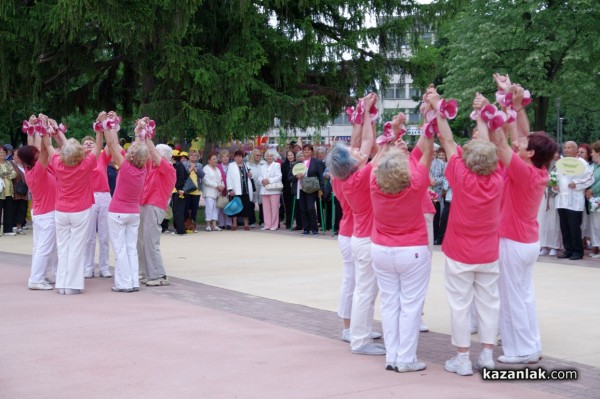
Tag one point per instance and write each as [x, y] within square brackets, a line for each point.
[540, 105]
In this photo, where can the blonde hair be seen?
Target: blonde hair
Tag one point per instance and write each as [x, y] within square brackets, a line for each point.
[137, 155]
[393, 172]
[480, 157]
[71, 153]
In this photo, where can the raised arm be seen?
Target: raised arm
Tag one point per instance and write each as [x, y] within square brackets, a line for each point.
[445, 133]
[152, 151]
[112, 143]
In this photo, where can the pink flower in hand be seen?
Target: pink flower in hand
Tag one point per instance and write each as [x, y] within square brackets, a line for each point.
[430, 128]
[511, 116]
[359, 112]
[350, 113]
[448, 108]
[97, 126]
[497, 121]
[526, 98]
[488, 112]
[27, 128]
[63, 128]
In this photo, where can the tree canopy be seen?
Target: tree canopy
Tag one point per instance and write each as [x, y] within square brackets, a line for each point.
[221, 68]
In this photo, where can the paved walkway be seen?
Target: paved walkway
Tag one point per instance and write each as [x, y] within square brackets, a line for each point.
[251, 315]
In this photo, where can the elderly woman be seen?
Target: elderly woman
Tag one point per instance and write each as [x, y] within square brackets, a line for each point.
[42, 185]
[352, 168]
[21, 192]
[213, 185]
[526, 171]
[255, 164]
[159, 183]
[7, 173]
[98, 226]
[239, 184]
[73, 169]
[549, 224]
[192, 199]
[295, 192]
[594, 192]
[223, 166]
[286, 179]
[124, 208]
[471, 240]
[307, 200]
[270, 173]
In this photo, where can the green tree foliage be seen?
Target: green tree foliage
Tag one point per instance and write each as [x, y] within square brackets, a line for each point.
[549, 47]
[221, 68]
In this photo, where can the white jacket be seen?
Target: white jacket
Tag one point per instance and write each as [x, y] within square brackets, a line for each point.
[212, 178]
[234, 181]
[271, 172]
[573, 198]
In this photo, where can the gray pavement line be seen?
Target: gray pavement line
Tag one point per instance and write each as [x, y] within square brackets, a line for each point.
[433, 347]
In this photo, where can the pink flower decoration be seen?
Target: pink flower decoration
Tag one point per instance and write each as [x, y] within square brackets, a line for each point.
[40, 127]
[449, 108]
[63, 128]
[488, 112]
[474, 115]
[148, 130]
[433, 195]
[497, 121]
[350, 113]
[97, 126]
[511, 116]
[27, 128]
[430, 115]
[388, 135]
[526, 98]
[359, 112]
[501, 98]
[430, 128]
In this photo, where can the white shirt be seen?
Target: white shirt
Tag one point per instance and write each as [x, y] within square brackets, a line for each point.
[573, 198]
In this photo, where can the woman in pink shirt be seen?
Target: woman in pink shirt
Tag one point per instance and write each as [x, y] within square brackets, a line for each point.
[42, 186]
[526, 179]
[471, 241]
[399, 248]
[124, 208]
[72, 169]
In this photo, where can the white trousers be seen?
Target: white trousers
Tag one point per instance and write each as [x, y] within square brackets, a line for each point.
[210, 209]
[466, 283]
[403, 278]
[223, 220]
[271, 210]
[149, 255]
[595, 228]
[123, 230]
[44, 257]
[518, 317]
[429, 224]
[98, 227]
[348, 279]
[365, 292]
[71, 229]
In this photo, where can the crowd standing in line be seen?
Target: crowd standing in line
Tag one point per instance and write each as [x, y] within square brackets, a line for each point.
[511, 202]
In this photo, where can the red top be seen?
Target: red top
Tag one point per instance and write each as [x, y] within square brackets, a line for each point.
[347, 221]
[159, 184]
[100, 174]
[524, 187]
[130, 184]
[74, 185]
[472, 233]
[398, 219]
[42, 185]
[356, 191]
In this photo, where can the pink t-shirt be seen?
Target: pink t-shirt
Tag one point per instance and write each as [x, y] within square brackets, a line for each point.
[472, 233]
[524, 187]
[159, 184]
[100, 174]
[74, 185]
[130, 185]
[42, 186]
[347, 221]
[428, 206]
[356, 192]
[398, 219]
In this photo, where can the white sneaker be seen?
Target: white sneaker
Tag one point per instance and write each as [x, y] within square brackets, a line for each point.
[527, 359]
[375, 335]
[485, 361]
[544, 251]
[459, 365]
[369, 349]
[553, 252]
[402, 367]
[105, 273]
[596, 256]
[423, 327]
[40, 286]
[346, 335]
[89, 274]
[473, 330]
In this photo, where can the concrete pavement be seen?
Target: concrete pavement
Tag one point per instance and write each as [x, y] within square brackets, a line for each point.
[252, 314]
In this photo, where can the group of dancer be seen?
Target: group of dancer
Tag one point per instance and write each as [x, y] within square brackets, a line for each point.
[491, 242]
[71, 204]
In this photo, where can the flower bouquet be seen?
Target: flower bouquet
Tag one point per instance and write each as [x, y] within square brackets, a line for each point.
[595, 204]
[553, 182]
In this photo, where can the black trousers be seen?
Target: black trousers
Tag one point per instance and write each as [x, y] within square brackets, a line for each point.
[570, 228]
[308, 212]
[178, 205]
[20, 211]
[192, 203]
[7, 207]
[444, 219]
[437, 220]
[337, 217]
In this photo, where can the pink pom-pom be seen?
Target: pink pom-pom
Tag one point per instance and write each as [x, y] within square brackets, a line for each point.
[474, 115]
[526, 98]
[511, 116]
[359, 112]
[350, 113]
[97, 126]
[448, 108]
[63, 128]
[430, 128]
[27, 128]
[488, 112]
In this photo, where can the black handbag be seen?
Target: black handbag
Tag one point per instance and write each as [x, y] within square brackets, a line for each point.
[21, 187]
[189, 186]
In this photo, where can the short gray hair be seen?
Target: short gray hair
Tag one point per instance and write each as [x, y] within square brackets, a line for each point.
[272, 151]
[480, 157]
[340, 162]
[71, 153]
[164, 151]
[393, 172]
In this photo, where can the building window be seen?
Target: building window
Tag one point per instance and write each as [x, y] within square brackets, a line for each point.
[341, 119]
[414, 93]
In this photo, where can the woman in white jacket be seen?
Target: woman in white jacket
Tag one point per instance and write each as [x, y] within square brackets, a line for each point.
[213, 184]
[270, 173]
[239, 184]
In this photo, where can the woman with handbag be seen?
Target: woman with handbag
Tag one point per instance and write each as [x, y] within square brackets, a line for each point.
[270, 189]
[311, 188]
[239, 184]
[193, 187]
[223, 166]
[213, 185]
[7, 173]
[21, 193]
